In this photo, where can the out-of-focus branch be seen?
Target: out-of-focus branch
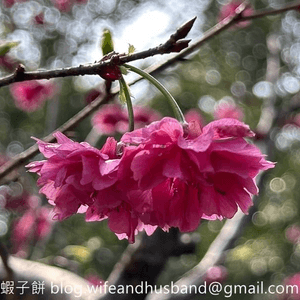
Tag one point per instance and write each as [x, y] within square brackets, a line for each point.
[272, 74]
[55, 283]
[143, 261]
[269, 12]
[23, 157]
[220, 27]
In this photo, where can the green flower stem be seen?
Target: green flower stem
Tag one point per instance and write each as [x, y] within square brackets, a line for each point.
[176, 109]
[124, 87]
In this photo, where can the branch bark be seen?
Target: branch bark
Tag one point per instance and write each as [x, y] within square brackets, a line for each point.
[142, 263]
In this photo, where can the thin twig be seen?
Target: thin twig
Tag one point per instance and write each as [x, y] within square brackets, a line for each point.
[269, 12]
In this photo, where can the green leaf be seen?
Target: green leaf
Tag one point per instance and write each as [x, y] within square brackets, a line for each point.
[122, 95]
[123, 89]
[124, 70]
[81, 253]
[131, 49]
[6, 46]
[107, 44]
[125, 96]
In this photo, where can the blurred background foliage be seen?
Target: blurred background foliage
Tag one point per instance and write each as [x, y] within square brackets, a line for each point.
[230, 68]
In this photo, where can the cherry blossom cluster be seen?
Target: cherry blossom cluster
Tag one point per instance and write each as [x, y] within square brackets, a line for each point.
[292, 287]
[31, 95]
[62, 5]
[33, 222]
[229, 10]
[35, 225]
[164, 175]
[113, 118]
[228, 110]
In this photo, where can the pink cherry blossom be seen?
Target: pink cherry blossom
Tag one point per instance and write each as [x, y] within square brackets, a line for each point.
[66, 5]
[7, 62]
[30, 95]
[93, 95]
[119, 203]
[22, 231]
[292, 233]
[77, 178]
[8, 3]
[227, 110]
[72, 173]
[216, 170]
[20, 203]
[196, 122]
[161, 175]
[94, 279]
[143, 116]
[34, 225]
[292, 284]
[16, 201]
[216, 274]
[63, 5]
[39, 19]
[229, 10]
[112, 118]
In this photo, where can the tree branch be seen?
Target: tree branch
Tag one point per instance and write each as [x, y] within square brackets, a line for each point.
[71, 123]
[173, 44]
[167, 47]
[143, 262]
[269, 12]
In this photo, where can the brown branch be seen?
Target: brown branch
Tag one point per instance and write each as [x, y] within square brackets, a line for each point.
[272, 74]
[173, 44]
[143, 262]
[269, 12]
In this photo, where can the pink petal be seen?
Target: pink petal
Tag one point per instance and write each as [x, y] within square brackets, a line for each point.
[108, 166]
[226, 128]
[90, 169]
[121, 222]
[156, 131]
[61, 138]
